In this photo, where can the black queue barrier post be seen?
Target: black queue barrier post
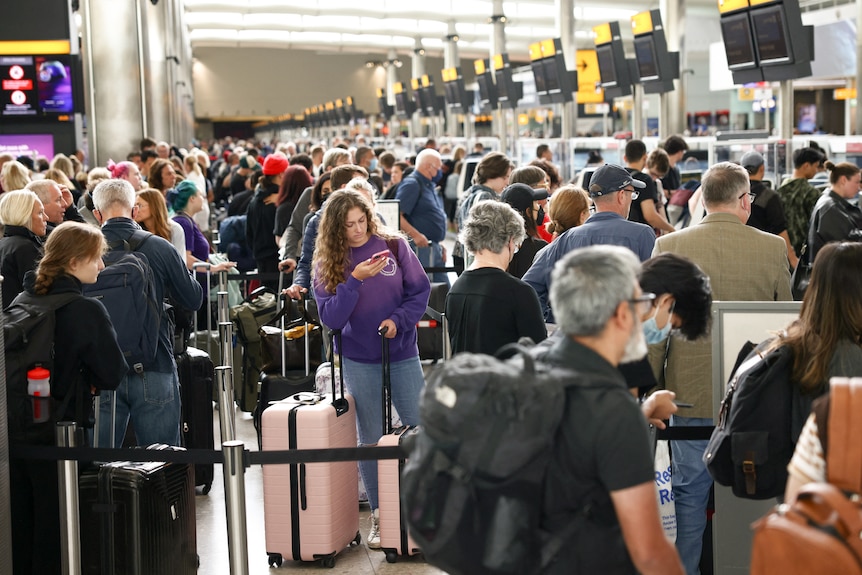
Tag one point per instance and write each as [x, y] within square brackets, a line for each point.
[234, 496]
[70, 535]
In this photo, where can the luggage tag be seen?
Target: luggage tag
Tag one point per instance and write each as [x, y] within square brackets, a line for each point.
[302, 398]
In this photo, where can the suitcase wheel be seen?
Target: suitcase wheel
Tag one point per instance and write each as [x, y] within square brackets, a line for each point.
[275, 559]
[328, 561]
[356, 540]
[391, 556]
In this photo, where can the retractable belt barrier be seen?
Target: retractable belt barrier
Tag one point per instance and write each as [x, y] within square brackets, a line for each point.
[693, 433]
[204, 456]
[439, 270]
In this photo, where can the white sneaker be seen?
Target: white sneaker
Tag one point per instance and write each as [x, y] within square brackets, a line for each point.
[373, 539]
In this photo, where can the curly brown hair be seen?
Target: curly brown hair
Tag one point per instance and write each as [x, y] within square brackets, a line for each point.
[69, 241]
[331, 250]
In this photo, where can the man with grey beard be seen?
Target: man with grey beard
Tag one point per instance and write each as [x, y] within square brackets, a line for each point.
[601, 476]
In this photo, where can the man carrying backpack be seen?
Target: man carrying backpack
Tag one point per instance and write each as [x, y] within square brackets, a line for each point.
[601, 472]
[149, 394]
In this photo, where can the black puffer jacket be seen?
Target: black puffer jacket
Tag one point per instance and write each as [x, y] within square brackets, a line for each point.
[20, 252]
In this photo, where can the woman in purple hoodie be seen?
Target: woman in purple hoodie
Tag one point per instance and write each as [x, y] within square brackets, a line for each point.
[367, 278]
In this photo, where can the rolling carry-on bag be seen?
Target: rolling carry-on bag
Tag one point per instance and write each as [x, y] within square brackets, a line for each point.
[394, 538]
[310, 510]
[275, 387]
[196, 373]
[429, 330]
[138, 519]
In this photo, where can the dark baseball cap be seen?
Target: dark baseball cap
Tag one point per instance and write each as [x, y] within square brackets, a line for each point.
[751, 161]
[522, 196]
[610, 178]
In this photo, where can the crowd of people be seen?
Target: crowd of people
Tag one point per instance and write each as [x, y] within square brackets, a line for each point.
[594, 274]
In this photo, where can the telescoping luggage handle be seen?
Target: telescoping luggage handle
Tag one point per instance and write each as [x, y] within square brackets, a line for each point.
[387, 380]
[339, 403]
[438, 318]
[205, 268]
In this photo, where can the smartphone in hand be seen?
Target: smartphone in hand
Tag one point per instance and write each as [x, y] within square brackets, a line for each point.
[379, 256]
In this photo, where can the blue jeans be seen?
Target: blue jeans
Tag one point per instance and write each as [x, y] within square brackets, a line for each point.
[432, 256]
[691, 484]
[152, 401]
[364, 381]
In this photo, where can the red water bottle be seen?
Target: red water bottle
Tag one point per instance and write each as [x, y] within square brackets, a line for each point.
[39, 389]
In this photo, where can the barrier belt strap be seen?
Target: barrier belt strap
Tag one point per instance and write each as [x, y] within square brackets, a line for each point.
[204, 456]
[685, 433]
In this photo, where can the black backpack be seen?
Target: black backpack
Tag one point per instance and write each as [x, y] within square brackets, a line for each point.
[127, 290]
[472, 487]
[28, 331]
[761, 417]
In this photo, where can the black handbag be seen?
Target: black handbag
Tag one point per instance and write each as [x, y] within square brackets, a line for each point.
[293, 334]
[801, 275]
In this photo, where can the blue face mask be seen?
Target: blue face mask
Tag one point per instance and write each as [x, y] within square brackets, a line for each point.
[438, 176]
[652, 333]
[373, 165]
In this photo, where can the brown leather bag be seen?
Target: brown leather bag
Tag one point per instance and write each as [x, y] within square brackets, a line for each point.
[821, 532]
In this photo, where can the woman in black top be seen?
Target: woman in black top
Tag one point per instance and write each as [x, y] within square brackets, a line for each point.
[23, 216]
[487, 307]
[86, 358]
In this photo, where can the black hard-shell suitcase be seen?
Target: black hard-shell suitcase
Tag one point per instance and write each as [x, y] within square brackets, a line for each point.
[196, 373]
[277, 386]
[429, 332]
[138, 519]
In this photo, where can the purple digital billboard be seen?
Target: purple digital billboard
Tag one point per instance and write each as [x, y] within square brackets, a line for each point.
[27, 145]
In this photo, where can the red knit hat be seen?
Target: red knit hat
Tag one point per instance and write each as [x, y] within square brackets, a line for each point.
[274, 164]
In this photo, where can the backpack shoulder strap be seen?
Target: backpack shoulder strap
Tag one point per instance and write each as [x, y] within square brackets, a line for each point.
[137, 239]
[844, 458]
[49, 303]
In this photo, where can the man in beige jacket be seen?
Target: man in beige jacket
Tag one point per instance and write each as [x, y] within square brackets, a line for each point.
[743, 264]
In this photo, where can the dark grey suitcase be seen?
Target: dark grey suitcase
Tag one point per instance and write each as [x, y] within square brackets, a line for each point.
[138, 519]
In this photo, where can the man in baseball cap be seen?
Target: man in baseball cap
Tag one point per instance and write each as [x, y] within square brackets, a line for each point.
[611, 189]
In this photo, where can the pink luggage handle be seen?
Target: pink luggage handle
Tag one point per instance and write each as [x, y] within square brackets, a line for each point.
[387, 381]
[341, 404]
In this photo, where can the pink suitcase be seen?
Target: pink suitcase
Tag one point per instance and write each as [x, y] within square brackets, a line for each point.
[394, 538]
[310, 510]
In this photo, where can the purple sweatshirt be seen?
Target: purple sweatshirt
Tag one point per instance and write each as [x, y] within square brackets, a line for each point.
[400, 293]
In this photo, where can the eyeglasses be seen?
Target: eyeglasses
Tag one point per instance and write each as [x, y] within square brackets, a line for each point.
[750, 195]
[643, 303]
[633, 192]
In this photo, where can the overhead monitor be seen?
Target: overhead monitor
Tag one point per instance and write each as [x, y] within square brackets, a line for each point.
[33, 86]
[487, 90]
[646, 57]
[770, 34]
[738, 42]
[539, 76]
[552, 75]
[607, 69]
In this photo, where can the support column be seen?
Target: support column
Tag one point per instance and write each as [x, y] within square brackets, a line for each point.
[498, 46]
[451, 60]
[566, 30]
[391, 79]
[785, 110]
[418, 69]
[637, 111]
[673, 17]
